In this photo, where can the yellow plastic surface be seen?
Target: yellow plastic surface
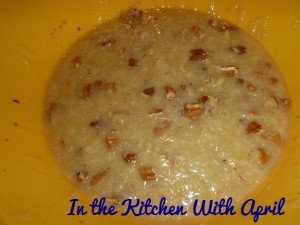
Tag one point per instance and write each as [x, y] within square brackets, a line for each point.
[34, 36]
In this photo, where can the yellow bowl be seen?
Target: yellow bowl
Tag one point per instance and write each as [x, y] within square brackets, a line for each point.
[35, 35]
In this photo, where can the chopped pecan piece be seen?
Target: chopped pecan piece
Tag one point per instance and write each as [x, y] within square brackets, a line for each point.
[155, 111]
[132, 62]
[76, 61]
[271, 101]
[221, 25]
[167, 159]
[224, 26]
[110, 87]
[62, 143]
[195, 31]
[198, 54]
[147, 173]
[239, 49]
[183, 87]
[112, 142]
[203, 99]
[251, 87]
[268, 64]
[275, 138]
[130, 158]
[253, 128]
[95, 123]
[81, 175]
[230, 71]
[170, 92]
[213, 23]
[148, 46]
[263, 157]
[108, 42]
[252, 112]
[97, 84]
[89, 88]
[257, 74]
[273, 80]
[240, 80]
[285, 102]
[132, 16]
[149, 91]
[164, 126]
[86, 91]
[192, 110]
[98, 177]
[52, 109]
